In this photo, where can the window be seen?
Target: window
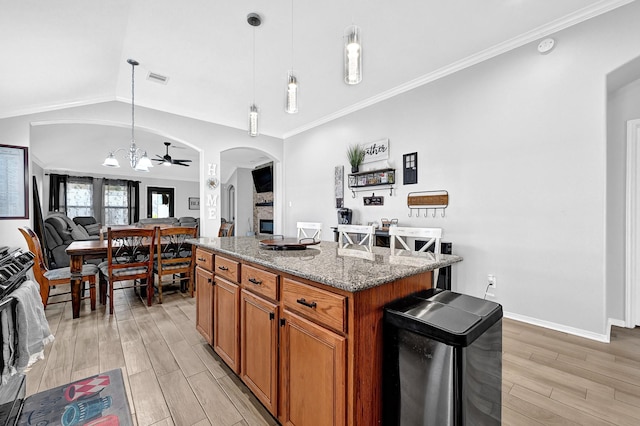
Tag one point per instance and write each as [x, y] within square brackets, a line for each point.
[116, 207]
[79, 197]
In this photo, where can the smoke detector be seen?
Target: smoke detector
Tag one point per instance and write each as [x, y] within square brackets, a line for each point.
[546, 45]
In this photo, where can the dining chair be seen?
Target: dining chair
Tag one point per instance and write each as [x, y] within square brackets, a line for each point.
[48, 278]
[129, 258]
[368, 231]
[310, 230]
[432, 235]
[226, 229]
[174, 257]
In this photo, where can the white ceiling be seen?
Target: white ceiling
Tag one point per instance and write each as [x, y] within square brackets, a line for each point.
[74, 52]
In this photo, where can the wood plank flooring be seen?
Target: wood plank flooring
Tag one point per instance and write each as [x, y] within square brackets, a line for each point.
[173, 377]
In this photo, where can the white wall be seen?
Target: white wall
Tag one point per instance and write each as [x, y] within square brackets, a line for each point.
[244, 201]
[520, 144]
[623, 105]
[205, 137]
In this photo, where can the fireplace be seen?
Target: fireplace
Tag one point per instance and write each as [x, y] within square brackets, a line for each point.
[266, 226]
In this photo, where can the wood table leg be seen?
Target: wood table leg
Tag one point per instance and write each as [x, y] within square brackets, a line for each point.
[76, 283]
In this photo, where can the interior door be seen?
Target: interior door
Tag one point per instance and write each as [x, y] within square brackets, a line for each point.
[160, 202]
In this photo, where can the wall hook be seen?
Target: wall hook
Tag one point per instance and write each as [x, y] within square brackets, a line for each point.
[434, 213]
[410, 210]
[442, 212]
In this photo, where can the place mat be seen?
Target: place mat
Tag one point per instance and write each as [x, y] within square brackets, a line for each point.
[99, 400]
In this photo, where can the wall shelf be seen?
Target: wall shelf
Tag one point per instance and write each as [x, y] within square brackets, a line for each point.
[372, 179]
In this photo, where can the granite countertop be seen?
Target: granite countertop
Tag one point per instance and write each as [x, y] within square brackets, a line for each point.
[351, 269]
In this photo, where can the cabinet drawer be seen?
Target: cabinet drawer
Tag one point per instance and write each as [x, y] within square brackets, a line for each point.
[204, 259]
[227, 268]
[259, 281]
[320, 305]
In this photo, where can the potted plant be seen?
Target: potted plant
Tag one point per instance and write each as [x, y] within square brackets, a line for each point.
[355, 154]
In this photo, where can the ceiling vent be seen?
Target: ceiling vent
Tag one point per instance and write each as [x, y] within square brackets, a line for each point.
[157, 78]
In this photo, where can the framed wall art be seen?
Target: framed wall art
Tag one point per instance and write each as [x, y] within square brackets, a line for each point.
[14, 182]
[410, 168]
[194, 203]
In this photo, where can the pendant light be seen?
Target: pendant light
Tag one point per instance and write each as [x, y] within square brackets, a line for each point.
[292, 82]
[254, 20]
[352, 55]
[138, 159]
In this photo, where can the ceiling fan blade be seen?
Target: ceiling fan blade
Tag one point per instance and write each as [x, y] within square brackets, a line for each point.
[182, 161]
[182, 164]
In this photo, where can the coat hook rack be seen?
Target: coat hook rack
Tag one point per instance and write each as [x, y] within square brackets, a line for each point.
[428, 200]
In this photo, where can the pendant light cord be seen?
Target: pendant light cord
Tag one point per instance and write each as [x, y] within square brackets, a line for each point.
[291, 36]
[133, 115]
[254, 65]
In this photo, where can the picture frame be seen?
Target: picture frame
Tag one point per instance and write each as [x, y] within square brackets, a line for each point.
[14, 182]
[194, 203]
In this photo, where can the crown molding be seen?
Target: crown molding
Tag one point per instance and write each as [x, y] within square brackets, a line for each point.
[37, 109]
[506, 46]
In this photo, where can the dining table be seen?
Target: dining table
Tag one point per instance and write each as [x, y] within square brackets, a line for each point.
[81, 250]
[78, 252]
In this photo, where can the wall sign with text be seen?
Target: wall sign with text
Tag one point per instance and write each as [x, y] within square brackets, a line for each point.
[376, 151]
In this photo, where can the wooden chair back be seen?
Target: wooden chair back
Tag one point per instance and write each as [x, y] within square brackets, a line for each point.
[368, 231]
[226, 229]
[130, 258]
[310, 230]
[33, 242]
[174, 255]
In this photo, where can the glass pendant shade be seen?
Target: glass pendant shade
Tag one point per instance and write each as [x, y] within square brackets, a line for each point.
[111, 161]
[292, 94]
[143, 163]
[352, 56]
[253, 120]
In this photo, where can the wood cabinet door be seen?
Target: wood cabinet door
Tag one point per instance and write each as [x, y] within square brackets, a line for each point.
[259, 348]
[204, 303]
[226, 322]
[313, 373]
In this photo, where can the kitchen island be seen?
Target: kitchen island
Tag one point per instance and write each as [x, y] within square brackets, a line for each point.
[303, 328]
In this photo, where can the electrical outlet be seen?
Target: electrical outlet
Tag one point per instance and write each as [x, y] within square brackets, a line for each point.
[491, 279]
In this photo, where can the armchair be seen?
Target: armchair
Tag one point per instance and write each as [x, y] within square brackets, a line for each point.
[89, 223]
[60, 231]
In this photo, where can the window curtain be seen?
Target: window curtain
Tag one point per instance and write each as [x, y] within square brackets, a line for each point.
[58, 193]
[134, 201]
[98, 200]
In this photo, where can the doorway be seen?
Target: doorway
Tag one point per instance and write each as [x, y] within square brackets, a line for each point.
[632, 283]
[160, 202]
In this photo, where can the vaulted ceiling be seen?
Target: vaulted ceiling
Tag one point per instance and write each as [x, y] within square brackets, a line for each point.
[73, 52]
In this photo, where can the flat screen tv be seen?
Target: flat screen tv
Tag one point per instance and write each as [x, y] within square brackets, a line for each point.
[263, 179]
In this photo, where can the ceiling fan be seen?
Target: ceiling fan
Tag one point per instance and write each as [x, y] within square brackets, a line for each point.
[166, 160]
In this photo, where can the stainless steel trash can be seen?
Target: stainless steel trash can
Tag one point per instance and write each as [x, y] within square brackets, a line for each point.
[443, 360]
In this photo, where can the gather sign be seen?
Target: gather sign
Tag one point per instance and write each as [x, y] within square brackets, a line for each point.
[376, 151]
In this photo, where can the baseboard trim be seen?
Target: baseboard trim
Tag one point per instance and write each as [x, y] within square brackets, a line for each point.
[605, 338]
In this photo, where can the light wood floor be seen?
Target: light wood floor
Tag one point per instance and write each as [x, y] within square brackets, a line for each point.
[174, 377]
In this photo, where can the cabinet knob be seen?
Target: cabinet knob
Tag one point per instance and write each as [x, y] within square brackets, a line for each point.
[223, 268]
[201, 259]
[209, 280]
[255, 281]
[307, 304]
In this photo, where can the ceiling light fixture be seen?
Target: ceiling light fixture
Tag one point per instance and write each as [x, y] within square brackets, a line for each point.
[292, 82]
[137, 157]
[352, 55]
[254, 20]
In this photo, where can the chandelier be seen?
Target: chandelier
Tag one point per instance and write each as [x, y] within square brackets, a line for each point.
[138, 159]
